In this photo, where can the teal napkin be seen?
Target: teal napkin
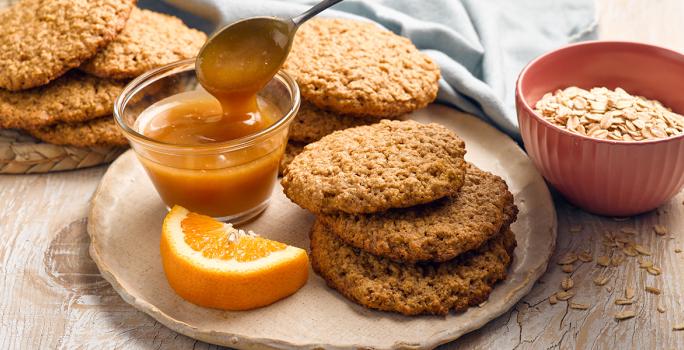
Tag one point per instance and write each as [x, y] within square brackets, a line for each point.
[480, 45]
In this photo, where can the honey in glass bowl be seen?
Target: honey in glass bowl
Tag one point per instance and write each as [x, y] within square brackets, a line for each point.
[199, 155]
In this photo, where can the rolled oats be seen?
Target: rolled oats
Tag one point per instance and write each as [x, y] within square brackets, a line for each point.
[609, 114]
[624, 315]
[578, 306]
[567, 283]
[660, 230]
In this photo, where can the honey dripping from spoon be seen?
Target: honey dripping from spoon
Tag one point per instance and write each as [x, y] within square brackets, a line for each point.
[241, 58]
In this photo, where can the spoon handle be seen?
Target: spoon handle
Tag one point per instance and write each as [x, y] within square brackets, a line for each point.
[318, 8]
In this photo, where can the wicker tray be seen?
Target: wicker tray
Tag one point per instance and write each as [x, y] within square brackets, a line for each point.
[22, 154]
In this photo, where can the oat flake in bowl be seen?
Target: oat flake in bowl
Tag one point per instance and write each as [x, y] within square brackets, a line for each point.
[609, 114]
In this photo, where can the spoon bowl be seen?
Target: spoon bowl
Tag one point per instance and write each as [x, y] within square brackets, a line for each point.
[245, 55]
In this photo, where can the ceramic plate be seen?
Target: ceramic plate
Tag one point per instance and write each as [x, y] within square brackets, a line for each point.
[125, 223]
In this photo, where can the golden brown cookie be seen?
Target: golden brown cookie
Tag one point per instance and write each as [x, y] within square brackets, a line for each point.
[149, 40]
[312, 123]
[436, 231]
[42, 39]
[368, 169]
[97, 132]
[411, 289]
[291, 150]
[357, 68]
[74, 97]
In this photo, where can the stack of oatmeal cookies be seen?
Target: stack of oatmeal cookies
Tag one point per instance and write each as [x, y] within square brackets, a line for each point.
[403, 222]
[64, 62]
[354, 73]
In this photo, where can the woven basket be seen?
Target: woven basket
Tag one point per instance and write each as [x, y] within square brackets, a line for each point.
[22, 154]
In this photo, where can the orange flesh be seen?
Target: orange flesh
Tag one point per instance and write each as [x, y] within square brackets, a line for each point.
[208, 236]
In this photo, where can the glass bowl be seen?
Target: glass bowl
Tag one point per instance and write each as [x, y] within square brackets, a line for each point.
[231, 181]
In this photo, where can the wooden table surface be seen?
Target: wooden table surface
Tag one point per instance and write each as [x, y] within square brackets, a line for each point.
[52, 296]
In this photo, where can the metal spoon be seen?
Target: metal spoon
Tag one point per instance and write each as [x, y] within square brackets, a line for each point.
[243, 56]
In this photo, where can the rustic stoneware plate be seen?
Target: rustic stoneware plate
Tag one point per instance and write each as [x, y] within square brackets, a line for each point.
[125, 222]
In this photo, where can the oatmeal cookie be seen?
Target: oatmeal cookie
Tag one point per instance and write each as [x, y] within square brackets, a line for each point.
[97, 132]
[411, 289]
[312, 123]
[148, 40]
[74, 97]
[358, 68]
[40, 40]
[368, 169]
[436, 231]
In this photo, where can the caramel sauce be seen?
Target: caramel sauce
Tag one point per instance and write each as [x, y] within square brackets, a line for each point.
[232, 67]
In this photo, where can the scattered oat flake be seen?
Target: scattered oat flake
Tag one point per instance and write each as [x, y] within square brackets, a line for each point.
[623, 301]
[585, 257]
[567, 268]
[601, 280]
[578, 306]
[660, 229]
[678, 250]
[652, 290]
[568, 258]
[630, 251]
[645, 264]
[642, 250]
[617, 260]
[553, 300]
[624, 315]
[679, 327]
[655, 271]
[661, 309]
[567, 283]
[565, 295]
[482, 303]
[629, 293]
[609, 289]
[603, 260]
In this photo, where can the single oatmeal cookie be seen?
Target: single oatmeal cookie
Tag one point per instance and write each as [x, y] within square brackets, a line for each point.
[411, 289]
[312, 123]
[358, 68]
[98, 132]
[149, 40]
[436, 231]
[368, 169]
[42, 39]
[74, 97]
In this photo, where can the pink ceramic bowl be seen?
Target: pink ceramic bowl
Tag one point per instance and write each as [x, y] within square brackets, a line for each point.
[604, 176]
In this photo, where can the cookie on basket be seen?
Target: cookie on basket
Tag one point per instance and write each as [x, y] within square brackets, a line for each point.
[368, 169]
[41, 40]
[358, 68]
[74, 97]
[148, 40]
[97, 132]
[436, 231]
[411, 289]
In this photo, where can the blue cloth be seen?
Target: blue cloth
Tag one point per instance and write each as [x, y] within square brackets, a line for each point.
[480, 45]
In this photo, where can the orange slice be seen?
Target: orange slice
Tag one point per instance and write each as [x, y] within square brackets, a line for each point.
[211, 264]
